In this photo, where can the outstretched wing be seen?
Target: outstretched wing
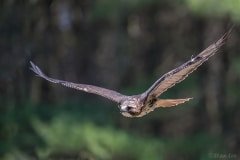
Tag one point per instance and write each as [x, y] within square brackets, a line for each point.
[110, 94]
[179, 74]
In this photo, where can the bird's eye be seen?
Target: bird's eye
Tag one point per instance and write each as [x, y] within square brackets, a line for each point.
[125, 108]
[128, 108]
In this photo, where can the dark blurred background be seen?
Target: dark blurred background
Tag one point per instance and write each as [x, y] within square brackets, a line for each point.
[125, 46]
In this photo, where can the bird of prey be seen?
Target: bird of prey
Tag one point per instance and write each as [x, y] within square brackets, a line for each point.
[141, 104]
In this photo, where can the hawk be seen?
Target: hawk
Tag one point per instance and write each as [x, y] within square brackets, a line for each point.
[141, 104]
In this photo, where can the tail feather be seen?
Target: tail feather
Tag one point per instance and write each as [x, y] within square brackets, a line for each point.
[170, 102]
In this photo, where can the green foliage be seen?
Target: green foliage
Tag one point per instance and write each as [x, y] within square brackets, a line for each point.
[236, 65]
[63, 134]
[75, 132]
[105, 142]
[16, 129]
[215, 8]
[194, 146]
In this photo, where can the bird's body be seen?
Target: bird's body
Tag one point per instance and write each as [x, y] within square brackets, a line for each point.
[142, 104]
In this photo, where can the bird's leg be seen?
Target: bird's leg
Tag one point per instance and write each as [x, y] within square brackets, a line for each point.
[169, 102]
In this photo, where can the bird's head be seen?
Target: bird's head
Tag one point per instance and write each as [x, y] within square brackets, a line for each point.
[130, 108]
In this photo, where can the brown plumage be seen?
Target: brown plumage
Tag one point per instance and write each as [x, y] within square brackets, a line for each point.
[142, 104]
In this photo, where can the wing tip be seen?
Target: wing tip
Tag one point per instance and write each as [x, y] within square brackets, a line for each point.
[35, 69]
[38, 71]
[224, 38]
[188, 99]
[212, 49]
[32, 67]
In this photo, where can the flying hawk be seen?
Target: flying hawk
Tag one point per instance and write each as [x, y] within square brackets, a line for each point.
[141, 104]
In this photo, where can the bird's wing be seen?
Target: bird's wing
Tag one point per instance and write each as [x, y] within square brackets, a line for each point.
[110, 94]
[180, 73]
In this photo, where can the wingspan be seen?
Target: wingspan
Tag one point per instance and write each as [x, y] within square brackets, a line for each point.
[179, 74]
[110, 94]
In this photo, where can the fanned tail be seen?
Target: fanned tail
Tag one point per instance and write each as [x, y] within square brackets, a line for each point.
[170, 102]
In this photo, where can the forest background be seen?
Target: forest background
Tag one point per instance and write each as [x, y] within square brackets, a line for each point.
[126, 46]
